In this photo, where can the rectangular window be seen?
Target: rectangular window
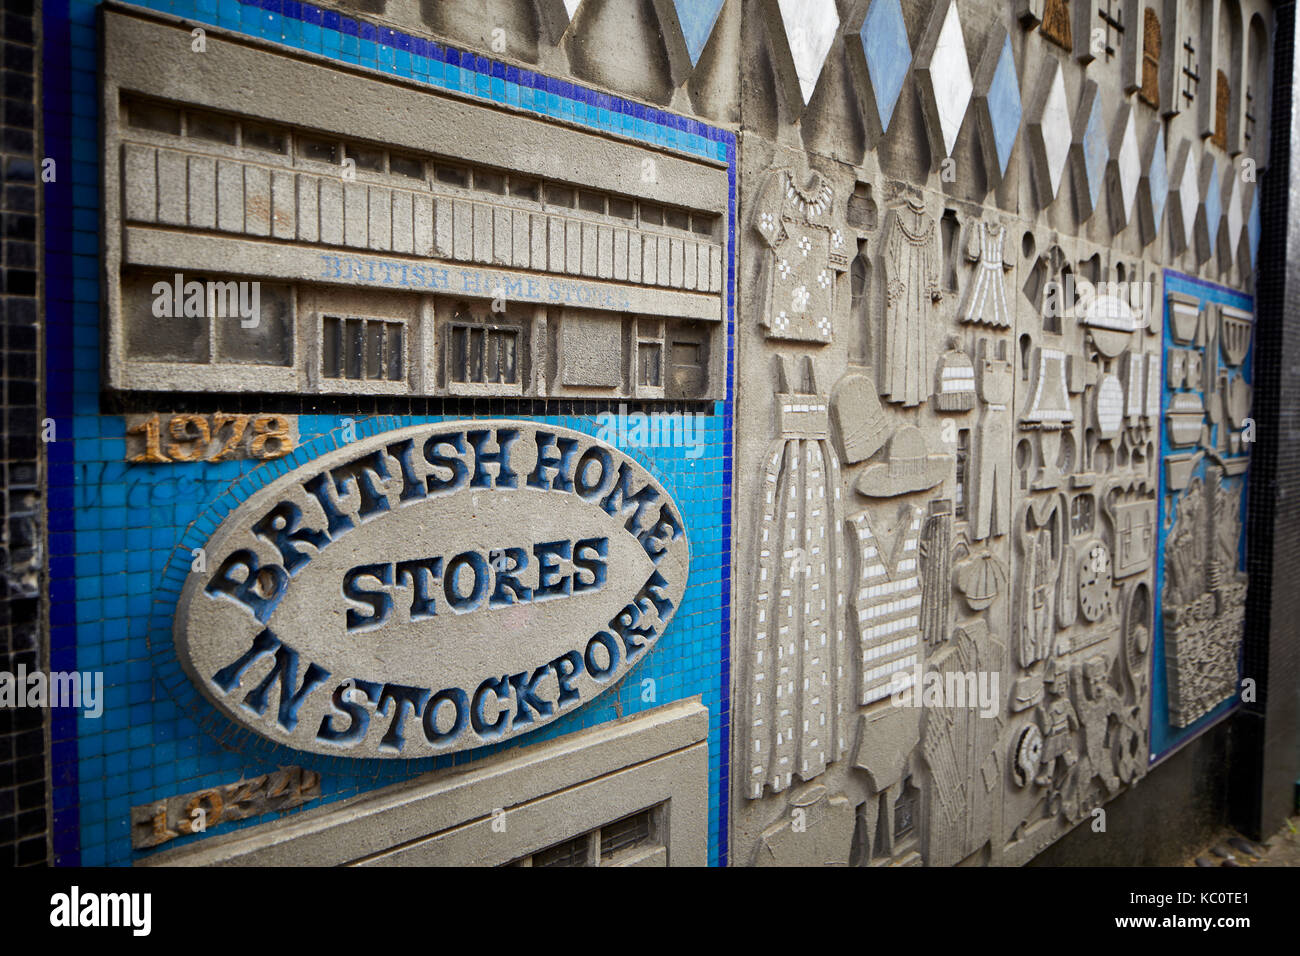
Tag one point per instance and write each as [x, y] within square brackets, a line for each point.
[591, 202]
[154, 116]
[366, 158]
[317, 150]
[677, 218]
[208, 321]
[626, 834]
[403, 165]
[524, 188]
[266, 138]
[622, 208]
[452, 175]
[482, 354]
[701, 224]
[559, 196]
[609, 845]
[211, 127]
[359, 348]
[649, 361]
[489, 182]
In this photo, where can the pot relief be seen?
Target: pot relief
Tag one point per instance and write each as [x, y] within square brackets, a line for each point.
[433, 589]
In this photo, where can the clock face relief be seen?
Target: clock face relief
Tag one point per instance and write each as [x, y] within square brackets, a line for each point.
[1095, 582]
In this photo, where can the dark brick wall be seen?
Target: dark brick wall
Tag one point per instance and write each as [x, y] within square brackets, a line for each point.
[24, 815]
[1265, 765]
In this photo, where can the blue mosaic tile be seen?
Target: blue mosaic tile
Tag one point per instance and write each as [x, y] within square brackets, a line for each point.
[1213, 205]
[1096, 150]
[120, 555]
[888, 54]
[1004, 105]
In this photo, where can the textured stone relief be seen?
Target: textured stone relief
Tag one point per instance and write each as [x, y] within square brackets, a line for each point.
[1202, 602]
[797, 674]
[596, 591]
[1000, 408]
[808, 253]
[913, 268]
[379, 261]
[985, 301]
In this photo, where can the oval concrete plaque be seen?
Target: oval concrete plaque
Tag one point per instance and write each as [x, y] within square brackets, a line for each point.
[433, 589]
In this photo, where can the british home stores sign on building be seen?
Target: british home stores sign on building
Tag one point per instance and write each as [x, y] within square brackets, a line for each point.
[433, 589]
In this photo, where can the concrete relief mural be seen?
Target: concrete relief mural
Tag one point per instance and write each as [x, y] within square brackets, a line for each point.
[1004, 437]
[841, 409]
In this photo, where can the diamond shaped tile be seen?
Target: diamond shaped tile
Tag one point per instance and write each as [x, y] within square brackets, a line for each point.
[1127, 164]
[1049, 132]
[686, 26]
[1158, 179]
[1187, 196]
[1252, 229]
[1213, 205]
[998, 106]
[946, 83]
[1091, 150]
[809, 27]
[886, 54]
[1235, 215]
[697, 18]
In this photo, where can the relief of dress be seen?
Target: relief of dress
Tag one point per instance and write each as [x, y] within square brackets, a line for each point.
[798, 668]
[912, 265]
[808, 252]
[985, 302]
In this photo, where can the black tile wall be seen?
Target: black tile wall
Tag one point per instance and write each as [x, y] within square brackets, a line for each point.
[24, 774]
[1266, 758]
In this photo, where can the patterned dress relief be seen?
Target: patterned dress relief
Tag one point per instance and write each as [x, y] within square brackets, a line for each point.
[808, 252]
[986, 296]
[797, 669]
[912, 267]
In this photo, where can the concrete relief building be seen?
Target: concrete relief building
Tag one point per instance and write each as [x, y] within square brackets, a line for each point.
[631, 433]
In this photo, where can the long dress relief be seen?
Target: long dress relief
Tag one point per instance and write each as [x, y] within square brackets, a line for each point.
[912, 269]
[798, 671]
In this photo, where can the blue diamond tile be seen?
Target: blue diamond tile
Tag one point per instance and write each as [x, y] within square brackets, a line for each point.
[697, 18]
[888, 54]
[1095, 145]
[1004, 105]
[1158, 178]
[1213, 205]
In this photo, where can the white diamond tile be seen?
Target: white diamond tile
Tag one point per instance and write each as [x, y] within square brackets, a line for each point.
[1236, 215]
[810, 27]
[951, 77]
[1056, 131]
[1189, 198]
[1128, 163]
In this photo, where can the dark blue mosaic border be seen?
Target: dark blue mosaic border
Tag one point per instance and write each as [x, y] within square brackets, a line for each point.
[72, 264]
[1165, 739]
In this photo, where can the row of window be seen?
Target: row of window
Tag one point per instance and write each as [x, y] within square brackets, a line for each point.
[604, 846]
[227, 130]
[476, 348]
